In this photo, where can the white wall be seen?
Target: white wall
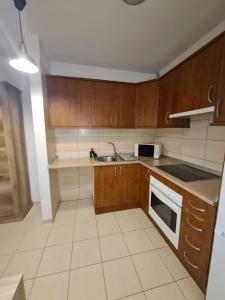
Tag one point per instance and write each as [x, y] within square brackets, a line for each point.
[73, 70]
[203, 41]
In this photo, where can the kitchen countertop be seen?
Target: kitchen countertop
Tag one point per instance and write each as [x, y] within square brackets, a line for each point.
[207, 190]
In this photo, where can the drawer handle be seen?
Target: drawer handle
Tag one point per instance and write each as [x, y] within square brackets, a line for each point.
[191, 245]
[188, 261]
[196, 208]
[193, 227]
[120, 170]
[146, 176]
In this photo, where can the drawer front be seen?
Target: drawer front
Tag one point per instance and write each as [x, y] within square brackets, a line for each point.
[192, 262]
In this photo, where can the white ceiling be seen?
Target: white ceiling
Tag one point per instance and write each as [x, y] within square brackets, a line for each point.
[109, 33]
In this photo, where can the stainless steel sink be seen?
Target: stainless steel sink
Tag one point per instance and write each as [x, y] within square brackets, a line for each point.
[108, 158]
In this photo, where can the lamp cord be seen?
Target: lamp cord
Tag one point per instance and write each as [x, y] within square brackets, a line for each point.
[21, 30]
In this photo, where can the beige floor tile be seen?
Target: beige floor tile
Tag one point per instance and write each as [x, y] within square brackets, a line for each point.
[121, 278]
[85, 215]
[143, 220]
[113, 246]
[9, 244]
[108, 226]
[128, 222]
[156, 238]
[25, 263]
[55, 259]
[34, 240]
[190, 289]
[173, 264]
[166, 292]
[137, 241]
[87, 284]
[151, 270]
[27, 286]
[105, 216]
[34, 224]
[84, 231]
[60, 235]
[84, 203]
[64, 217]
[4, 260]
[68, 205]
[125, 212]
[50, 287]
[85, 253]
[140, 296]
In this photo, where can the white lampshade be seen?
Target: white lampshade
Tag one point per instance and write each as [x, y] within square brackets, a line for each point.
[24, 62]
[133, 2]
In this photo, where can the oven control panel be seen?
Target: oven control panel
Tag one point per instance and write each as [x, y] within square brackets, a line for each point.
[168, 192]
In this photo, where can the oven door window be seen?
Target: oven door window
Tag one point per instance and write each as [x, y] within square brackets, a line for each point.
[164, 212]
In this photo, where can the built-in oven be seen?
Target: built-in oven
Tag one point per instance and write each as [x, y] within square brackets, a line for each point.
[165, 209]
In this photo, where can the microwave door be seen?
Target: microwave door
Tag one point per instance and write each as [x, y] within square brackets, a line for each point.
[146, 150]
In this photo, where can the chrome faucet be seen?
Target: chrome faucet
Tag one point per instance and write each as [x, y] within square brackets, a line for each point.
[114, 147]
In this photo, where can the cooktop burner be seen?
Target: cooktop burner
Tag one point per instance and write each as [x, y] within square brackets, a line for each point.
[187, 173]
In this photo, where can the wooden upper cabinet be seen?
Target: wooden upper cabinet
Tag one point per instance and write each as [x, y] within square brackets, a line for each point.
[219, 116]
[112, 105]
[201, 76]
[125, 105]
[146, 104]
[103, 106]
[168, 101]
[69, 102]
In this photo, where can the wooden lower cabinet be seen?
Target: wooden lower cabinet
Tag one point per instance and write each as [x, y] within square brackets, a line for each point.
[196, 234]
[144, 188]
[116, 187]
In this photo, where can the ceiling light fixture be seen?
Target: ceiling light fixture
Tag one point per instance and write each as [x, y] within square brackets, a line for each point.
[24, 62]
[133, 2]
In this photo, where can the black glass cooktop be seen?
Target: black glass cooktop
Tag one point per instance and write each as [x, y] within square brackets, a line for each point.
[187, 173]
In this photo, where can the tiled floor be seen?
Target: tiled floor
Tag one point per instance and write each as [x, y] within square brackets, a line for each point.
[86, 257]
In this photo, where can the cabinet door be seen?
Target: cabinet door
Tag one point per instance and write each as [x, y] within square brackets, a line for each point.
[128, 184]
[103, 107]
[219, 116]
[168, 98]
[105, 186]
[144, 188]
[125, 97]
[69, 102]
[146, 104]
[202, 76]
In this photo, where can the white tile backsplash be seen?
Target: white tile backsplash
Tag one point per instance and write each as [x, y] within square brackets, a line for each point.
[200, 144]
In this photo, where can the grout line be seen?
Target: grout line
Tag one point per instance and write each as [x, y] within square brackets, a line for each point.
[103, 273]
[131, 259]
[71, 256]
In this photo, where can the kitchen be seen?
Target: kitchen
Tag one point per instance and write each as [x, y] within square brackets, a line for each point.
[138, 221]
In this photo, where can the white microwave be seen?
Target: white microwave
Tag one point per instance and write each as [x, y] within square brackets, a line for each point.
[148, 150]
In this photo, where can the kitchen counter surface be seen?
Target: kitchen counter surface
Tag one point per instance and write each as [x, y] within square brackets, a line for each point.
[207, 190]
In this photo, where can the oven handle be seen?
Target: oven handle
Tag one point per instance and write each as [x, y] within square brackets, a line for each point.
[191, 245]
[188, 261]
[193, 227]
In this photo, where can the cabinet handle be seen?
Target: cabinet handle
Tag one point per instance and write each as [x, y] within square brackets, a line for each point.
[146, 176]
[188, 261]
[111, 120]
[115, 173]
[209, 93]
[191, 245]
[120, 170]
[116, 119]
[166, 117]
[218, 109]
[196, 208]
[192, 226]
